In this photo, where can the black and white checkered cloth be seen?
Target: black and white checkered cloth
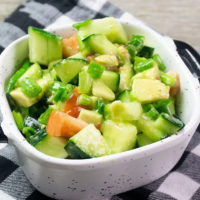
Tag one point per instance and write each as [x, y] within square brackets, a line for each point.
[182, 183]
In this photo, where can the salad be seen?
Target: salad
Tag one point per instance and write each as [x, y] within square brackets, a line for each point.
[94, 94]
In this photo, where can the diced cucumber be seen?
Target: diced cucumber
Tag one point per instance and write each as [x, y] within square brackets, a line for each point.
[34, 72]
[146, 52]
[119, 137]
[98, 43]
[164, 126]
[44, 47]
[108, 26]
[85, 82]
[146, 90]
[150, 111]
[125, 112]
[125, 96]
[68, 68]
[87, 143]
[150, 128]
[99, 89]
[126, 74]
[111, 79]
[53, 146]
[143, 140]
[166, 106]
[90, 116]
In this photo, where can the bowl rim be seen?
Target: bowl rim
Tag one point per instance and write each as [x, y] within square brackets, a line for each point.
[18, 139]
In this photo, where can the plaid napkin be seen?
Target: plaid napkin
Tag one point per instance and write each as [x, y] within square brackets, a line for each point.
[182, 183]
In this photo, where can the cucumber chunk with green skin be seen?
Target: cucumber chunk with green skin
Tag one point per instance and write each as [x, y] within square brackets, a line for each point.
[68, 68]
[88, 143]
[151, 129]
[125, 96]
[143, 140]
[99, 89]
[120, 137]
[126, 74]
[85, 82]
[98, 43]
[90, 116]
[108, 26]
[95, 70]
[150, 111]
[166, 106]
[44, 47]
[30, 87]
[18, 120]
[111, 79]
[17, 76]
[82, 24]
[146, 52]
[52, 146]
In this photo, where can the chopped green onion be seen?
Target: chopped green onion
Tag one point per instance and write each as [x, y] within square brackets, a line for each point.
[142, 64]
[45, 116]
[30, 87]
[167, 79]
[146, 52]
[18, 119]
[17, 75]
[84, 100]
[28, 132]
[67, 93]
[95, 70]
[159, 61]
[34, 139]
[99, 107]
[58, 93]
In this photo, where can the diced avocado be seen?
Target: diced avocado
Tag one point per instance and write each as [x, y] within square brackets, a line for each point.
[44, 47]
[99, 89]
[108, 26]
[111, 79]
[107, 60]
[87, 143]
[53, 146]
[68, 68]
[34, 72]
[152, 73]
[146, 90]
[126, 74]
[98, 43]
[119, 136]
[143, 140]
[25, 101]
[125, 112]
[90, 116]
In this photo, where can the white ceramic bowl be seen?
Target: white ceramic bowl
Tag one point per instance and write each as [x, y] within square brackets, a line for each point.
[103, 177]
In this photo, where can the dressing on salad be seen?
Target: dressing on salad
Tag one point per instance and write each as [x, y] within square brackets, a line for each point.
[93, 94]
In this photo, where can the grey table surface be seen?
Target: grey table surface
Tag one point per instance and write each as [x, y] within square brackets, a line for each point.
[179, 19]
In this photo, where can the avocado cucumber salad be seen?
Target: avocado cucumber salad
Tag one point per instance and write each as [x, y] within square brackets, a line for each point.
[93, 94]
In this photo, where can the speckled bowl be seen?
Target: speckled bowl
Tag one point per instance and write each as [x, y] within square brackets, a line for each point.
[103, 177]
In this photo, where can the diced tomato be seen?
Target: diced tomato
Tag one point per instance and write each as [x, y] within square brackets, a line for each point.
[61, 124]
[70, 106]
[70, 46]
